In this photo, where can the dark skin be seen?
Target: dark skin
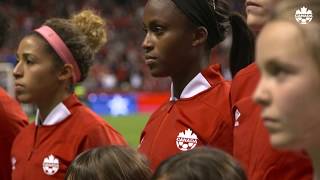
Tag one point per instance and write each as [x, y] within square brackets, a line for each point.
[173, 46]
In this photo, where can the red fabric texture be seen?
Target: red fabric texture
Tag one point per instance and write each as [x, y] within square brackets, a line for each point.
[12, 120]
[206, 114]
[80, 131]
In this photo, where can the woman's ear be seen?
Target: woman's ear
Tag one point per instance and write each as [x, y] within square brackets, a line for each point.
[66, 72]
[200, 36]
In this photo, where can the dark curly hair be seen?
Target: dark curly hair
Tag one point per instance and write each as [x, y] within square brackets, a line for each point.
[83, 34]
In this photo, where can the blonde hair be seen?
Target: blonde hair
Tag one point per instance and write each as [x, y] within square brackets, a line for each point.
[285, 11]
[93, 26]
[84, 34]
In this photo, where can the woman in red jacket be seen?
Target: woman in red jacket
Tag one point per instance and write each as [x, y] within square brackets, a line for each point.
[177, 44]
[288, 91]
[251, 139]
[12, 120]
[50, 61]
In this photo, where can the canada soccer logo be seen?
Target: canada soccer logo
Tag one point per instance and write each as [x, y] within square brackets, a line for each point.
[186, 140]
[50, 165]
[303, 15]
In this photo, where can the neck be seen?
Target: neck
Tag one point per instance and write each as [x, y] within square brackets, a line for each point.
[180, 81]
[315, 157]
[46, 106]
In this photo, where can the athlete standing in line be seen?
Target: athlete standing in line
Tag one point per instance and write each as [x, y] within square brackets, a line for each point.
[177, 44]
[251, 139]
[50, 60]
[288, 90]
[12, 120]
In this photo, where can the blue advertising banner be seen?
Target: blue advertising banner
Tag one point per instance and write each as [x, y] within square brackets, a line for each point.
[113, 104]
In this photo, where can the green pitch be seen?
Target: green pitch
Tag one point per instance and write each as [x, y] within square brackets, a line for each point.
[129, 126]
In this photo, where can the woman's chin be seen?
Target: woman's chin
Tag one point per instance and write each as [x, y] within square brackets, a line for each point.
[284, 143]
[22, 99]
[157, 74]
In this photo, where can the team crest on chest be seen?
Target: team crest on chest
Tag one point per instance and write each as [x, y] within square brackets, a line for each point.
[50, 165]
[186, 140]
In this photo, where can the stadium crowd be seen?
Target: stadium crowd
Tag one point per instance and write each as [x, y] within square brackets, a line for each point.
[119, 65]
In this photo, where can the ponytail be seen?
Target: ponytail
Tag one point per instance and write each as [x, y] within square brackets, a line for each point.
[242, 49]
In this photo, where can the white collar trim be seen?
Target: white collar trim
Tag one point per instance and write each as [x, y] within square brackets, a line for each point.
[58, 114]
[197, 85]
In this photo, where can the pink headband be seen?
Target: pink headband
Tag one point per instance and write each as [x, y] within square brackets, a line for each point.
[61, 49]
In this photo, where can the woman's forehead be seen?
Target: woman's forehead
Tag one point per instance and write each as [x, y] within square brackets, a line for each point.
[282, 41]
[160, 4]
[280, 31]
[32, 44]
[165, 9]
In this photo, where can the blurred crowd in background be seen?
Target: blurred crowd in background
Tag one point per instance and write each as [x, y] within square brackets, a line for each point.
[119, 66]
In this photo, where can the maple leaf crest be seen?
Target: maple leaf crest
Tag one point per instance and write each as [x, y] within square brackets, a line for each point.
[303, 15]
[303, 10]
[187, 134]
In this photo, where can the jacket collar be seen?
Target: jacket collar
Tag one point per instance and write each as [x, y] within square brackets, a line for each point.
[59, 113]
[197, 85]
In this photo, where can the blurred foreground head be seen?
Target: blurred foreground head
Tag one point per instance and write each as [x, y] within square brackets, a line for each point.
[109, 163]
[202, 163]
[288, 57]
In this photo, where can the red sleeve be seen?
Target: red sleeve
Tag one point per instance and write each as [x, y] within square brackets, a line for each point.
[101, 135]
[287, 163]
[11, 121]
[223, 135]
